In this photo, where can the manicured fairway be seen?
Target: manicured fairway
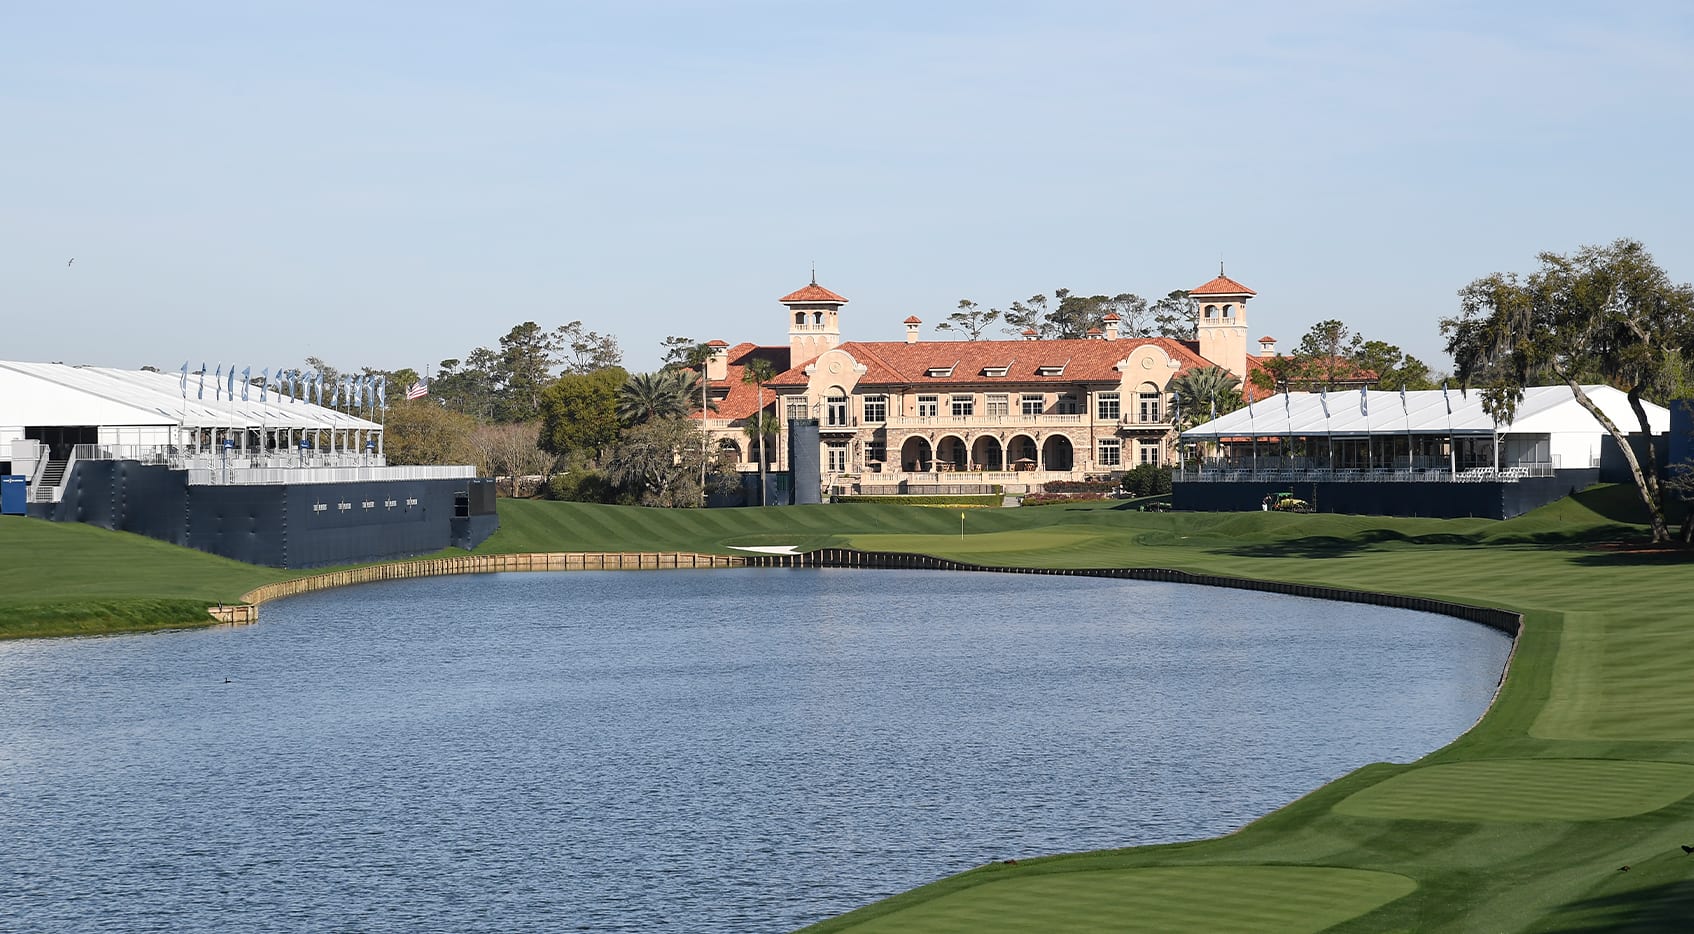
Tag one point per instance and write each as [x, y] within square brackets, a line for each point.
[1203, 900]
[1525, 790]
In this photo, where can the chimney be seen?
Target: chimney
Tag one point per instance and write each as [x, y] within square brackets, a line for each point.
[912, 324]
[717, 365]
[1267, 347]
[1111, 322]
[1030, 334]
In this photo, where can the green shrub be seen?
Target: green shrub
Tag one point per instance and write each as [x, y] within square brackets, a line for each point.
[1079, 486]
[984, 499]
[1049, 499]
[582, 485]
[1147, 480]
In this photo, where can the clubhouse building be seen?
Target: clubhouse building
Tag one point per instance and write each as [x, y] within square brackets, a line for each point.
[957, 416]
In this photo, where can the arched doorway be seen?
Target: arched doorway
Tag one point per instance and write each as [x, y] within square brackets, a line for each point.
[1025, 455]
[915, 454]
[729, 453]
[987, 454]
[1057, 454]
[951, 453]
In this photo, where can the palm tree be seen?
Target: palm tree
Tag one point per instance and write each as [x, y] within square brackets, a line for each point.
[1203, 394]
[696, 358]
[758, 372]
[648, 396]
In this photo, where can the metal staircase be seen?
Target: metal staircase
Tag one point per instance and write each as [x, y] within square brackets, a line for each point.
[48, 484]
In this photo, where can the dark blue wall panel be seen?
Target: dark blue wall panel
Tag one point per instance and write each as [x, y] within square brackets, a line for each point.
[1496, 500]
[302, 525]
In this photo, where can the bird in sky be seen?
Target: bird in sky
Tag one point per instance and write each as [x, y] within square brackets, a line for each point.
[70, 261]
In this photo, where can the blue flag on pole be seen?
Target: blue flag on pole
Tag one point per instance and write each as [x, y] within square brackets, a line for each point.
[1445, 398]
[1323, 400]
[264, 384]
[200, 393]
[246, 380]
[382, 392]
[1403, 404]
[185, 379]
[1364, 402]
[218, 383]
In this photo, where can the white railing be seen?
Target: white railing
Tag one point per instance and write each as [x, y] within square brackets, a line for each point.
[1214, 473]
[966, 421]
[249, 476]
[179, 457]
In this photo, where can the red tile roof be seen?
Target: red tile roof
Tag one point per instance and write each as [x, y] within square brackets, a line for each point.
[914, 319]
[742, 399]
[717, 343]
[1222, 285]
[812, 293]
[897, 363]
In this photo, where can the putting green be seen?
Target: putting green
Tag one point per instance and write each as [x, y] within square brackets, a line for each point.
[1524, 790]
[1164, 899]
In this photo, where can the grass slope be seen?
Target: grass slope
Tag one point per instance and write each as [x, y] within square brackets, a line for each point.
[1584, 764]
[65, 579]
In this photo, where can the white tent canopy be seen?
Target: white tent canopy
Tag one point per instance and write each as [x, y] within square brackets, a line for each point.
[1550, 410]
[36, 394]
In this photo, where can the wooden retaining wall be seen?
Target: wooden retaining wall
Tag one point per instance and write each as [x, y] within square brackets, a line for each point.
[248, 611]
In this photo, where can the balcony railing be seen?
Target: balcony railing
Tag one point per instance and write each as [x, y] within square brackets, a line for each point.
[1214, 473]
[962, 421]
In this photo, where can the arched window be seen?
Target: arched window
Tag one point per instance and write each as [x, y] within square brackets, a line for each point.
[1148, 398]
[1211, 311]
[835, 408]
[817, 317]
[1229, 311]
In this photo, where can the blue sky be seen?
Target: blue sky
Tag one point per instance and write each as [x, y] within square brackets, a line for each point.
[390, 185]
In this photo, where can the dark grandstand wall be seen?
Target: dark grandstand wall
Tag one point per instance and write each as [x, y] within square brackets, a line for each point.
[1436, 500]
[1613, 467]
[806, 460]
[303, 525]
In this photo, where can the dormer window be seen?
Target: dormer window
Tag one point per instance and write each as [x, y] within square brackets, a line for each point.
[939, 372]
[1054, 369]
[995, 370]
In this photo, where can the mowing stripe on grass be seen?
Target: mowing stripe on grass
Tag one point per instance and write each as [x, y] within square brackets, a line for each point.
[1524, 790]
[1166, 900]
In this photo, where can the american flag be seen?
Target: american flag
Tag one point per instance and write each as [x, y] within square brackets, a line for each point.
[417, 391]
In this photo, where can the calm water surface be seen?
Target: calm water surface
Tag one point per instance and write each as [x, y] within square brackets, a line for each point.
[690, 751]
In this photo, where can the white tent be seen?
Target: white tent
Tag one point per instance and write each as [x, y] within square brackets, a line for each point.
[1549, 420]
[143, 407]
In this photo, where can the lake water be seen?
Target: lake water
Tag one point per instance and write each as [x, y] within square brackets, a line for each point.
[728, 750]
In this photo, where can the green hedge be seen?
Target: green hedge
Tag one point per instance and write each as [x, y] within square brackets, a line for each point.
[983, 499]
[1048, 499]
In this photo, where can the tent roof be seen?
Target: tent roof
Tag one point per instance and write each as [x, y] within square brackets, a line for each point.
[1544, 410]
[43, 394]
